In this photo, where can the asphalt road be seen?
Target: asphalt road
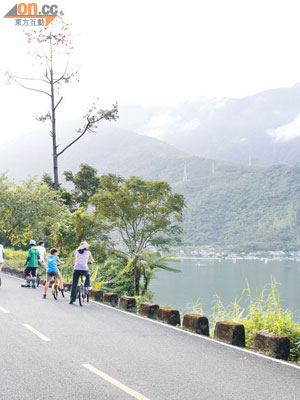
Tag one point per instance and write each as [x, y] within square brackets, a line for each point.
[96, 352]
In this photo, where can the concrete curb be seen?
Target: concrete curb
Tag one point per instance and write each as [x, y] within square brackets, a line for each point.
[230, 332]
[111, 300]
[97, 295]
[274, 345]
[169, 316]
[149, 310]
[128, 304]
[196, 323]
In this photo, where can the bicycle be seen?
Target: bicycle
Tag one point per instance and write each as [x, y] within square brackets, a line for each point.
[55, 287]
[82, 291]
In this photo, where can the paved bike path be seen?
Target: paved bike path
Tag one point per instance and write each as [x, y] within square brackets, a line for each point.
[152, 359]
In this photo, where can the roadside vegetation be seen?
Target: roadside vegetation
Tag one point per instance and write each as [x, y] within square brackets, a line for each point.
[131, 225]
[262, 312]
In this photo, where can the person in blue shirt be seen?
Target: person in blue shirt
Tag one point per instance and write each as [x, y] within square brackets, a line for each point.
[52, 270]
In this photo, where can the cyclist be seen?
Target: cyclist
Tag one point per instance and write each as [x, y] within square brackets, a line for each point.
[81, 258]
[42, 251]
[52, 270]
[31, 265]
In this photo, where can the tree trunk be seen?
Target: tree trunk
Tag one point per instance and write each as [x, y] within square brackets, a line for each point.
[137, 275]
[137, 281]
[146, 282]
[54, 144]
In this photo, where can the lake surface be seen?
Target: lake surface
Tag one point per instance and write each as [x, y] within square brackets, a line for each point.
[201, 280]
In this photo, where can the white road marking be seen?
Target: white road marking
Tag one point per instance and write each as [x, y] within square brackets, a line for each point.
[3, 310]
[39, 334]
[200, 337]
[116, 383]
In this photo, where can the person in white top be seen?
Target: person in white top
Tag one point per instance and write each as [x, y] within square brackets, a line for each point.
[42, 251]
[1, 256]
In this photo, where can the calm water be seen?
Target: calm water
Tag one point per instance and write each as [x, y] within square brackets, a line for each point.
[225, 279]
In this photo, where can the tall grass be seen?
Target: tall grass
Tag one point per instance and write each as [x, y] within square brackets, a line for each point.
[263, 313]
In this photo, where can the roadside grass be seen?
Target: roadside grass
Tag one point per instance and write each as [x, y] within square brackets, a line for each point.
[15, 258]
[263, 313]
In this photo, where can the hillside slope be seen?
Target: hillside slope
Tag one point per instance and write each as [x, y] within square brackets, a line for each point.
[227, 203]
[245, 207]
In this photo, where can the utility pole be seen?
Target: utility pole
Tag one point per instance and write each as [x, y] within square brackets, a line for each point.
[185, 178]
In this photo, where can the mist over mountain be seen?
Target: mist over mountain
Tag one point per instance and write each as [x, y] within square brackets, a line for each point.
[264, 127]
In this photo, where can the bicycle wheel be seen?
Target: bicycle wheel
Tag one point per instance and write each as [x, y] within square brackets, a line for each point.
[62, 293]
[38, 280]
[87, 296]
[54, 290]
[83, 293]
[80, 295]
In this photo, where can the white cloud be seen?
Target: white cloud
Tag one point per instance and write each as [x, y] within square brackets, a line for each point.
[287, 132]
[160, 124]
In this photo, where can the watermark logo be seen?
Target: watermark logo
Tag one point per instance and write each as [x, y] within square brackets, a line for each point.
[29, 14]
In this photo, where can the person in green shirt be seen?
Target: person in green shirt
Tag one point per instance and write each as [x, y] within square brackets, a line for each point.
[31, 265]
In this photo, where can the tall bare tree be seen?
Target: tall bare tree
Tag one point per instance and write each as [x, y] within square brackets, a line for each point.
[53, 46]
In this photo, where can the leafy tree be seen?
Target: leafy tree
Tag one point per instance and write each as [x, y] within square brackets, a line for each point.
[65, 195]
[86, 227]
[53, 46]
[86, 183]
[78, 226]
[30, 210]
[134, 278]
[144, 213]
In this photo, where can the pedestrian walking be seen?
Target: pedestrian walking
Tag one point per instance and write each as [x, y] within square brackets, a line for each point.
[42, 252]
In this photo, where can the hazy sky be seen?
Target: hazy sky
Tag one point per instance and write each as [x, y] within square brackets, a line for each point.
[158, 52]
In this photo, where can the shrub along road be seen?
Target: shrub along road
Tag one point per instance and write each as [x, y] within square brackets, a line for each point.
[51, 349]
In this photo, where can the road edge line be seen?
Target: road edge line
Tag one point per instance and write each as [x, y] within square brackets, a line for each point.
[210, 339]
[250, 352]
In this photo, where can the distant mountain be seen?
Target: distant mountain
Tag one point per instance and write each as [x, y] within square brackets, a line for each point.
[110, 149]
[228, 203]
[264, 127]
